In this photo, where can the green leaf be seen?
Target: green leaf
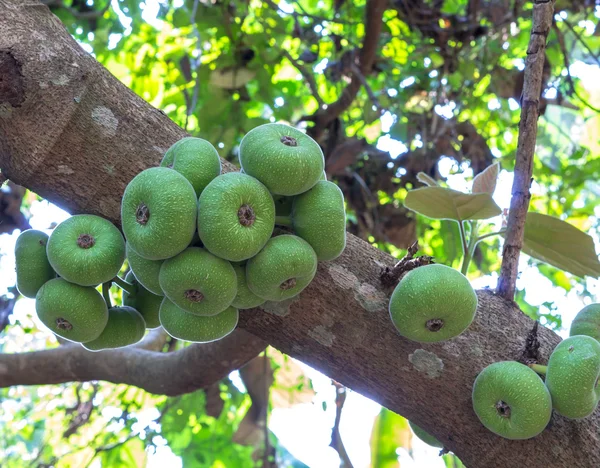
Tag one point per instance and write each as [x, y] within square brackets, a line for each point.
[231, 78]
[445, 203]
[390, 431]
[485, 182]
[561, 245]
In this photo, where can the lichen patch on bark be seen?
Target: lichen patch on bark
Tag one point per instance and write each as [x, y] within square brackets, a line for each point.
[427, 363]
[322, 335]
[342, 277]
[371, 298]
[281, 308]
[106, 120]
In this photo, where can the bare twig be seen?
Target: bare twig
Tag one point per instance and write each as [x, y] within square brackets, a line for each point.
[367, 55]
[309, 77]
[543, 11]
[336, 439]
[593, 54]
[390, 276]
[531, 350]
[367, 87]
[567, 63]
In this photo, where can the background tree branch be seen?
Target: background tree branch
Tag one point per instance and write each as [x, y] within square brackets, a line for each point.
[143, 365]
[543, 11]
[366, 58]
[79, 144]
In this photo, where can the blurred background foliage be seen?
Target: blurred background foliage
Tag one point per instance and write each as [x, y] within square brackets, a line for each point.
[442, 97]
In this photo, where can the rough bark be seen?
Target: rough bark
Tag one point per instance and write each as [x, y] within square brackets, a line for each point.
[59, 147]
[143, 365]
[543, 11]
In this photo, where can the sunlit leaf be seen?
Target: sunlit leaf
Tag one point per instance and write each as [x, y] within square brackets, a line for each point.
[485, 182]
[390, 431]
[427, 180]
[444, 203]
[231, 78]
[561, 245]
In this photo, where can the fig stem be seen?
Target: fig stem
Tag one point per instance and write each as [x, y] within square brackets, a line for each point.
[283, 221]
[106, 293]
[539, 368]
[470, 250]
[124, 285]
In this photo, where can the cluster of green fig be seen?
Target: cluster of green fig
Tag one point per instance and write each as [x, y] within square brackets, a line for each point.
[512, 400]
[434, 303]
[200, 244]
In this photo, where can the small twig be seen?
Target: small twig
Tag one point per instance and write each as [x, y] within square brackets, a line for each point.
[309, 77]
[266, 411]
[336, 439]
[567, 63]
[594, 55]
[543, 11]
[390, 276]
[367, 87]
[530, 353]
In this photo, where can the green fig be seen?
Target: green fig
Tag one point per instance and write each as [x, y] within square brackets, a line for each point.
[86, 250]
[283, 205]
[145, 271]
[158, 213]
[281, 270]
[587, 322]
[573, 376]
[189, 327]
[283, 158]
[145, 302]
[511, 400]
[199, 282]
[196, 159]
[425, 436]
[319, 217]
[433, 303]
[75, 313]
[236, 216]
[33, 268]
[245, 299]
[125, 327]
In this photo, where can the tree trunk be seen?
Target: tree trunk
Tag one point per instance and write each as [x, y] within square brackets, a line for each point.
[72, 133]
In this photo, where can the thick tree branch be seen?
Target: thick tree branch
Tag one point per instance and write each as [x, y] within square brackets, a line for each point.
[143, 365]
[82, 152]
[543, 11]
[366, 59]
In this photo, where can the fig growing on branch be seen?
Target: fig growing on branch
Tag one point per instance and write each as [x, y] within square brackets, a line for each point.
[196, 159]
[236, 216]
[73, 312]
[125, 327]
[281, 270]
[433, 303]
[319, 217]
[142, 300]
[511, 400]
[158, 213]
[283, 158]
[189, 327]
[33, 268]
[573, 376]
[87, 250]
[587, 322]
[199, 282]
